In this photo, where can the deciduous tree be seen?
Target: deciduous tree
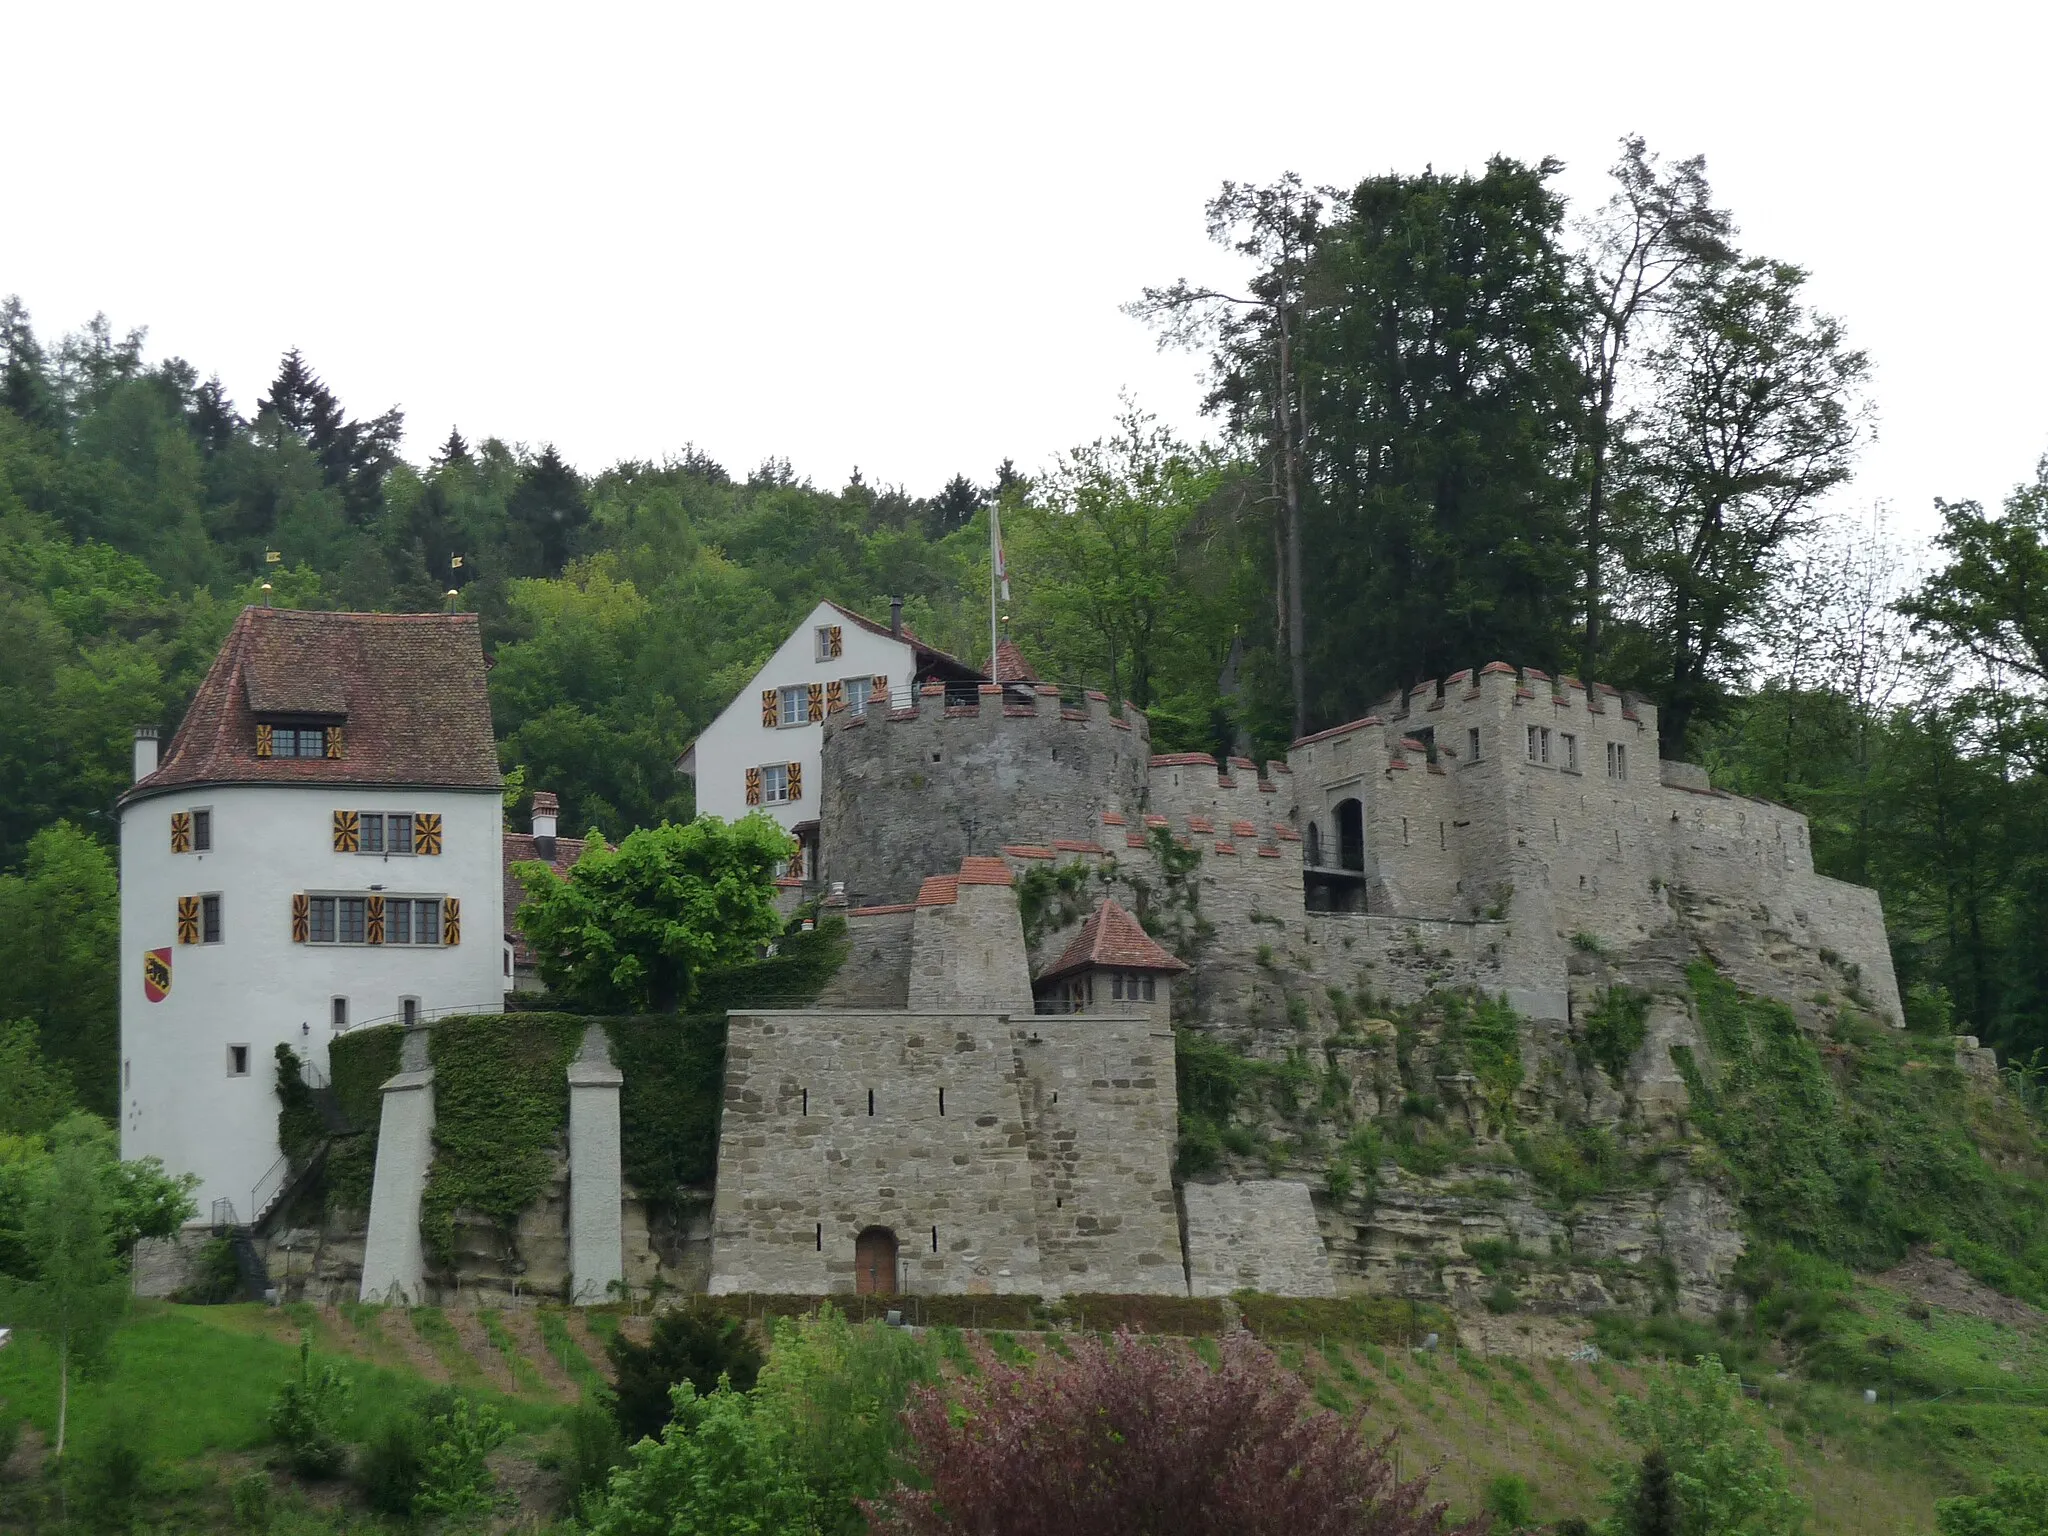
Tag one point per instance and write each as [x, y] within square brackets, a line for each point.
[632, 926]
[1131, 1436]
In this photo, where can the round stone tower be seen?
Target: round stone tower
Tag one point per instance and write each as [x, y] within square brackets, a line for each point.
[911, 791]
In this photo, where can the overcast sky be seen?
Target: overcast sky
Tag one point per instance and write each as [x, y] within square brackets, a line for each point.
[897, 237]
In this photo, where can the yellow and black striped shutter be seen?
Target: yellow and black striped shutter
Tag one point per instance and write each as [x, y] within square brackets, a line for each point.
[302, 918]
[334, 741]
[753, 786]
[374, 920]
[768, 707]
[348, 833]
[426, 832]
[263, 741]
[835, 697]
[451, 920]
[832, 641]
[814, 702]
[181, 831]
[188, 919]
[796, 781]
[881, 684]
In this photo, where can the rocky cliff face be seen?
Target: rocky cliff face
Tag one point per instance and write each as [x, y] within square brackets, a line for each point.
[1466, 1155]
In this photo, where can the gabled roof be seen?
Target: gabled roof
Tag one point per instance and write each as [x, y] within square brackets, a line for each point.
[1111, 940]
[407, 689]
[923, 655]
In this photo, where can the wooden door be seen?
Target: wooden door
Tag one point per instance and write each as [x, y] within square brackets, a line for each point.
[874, 1262]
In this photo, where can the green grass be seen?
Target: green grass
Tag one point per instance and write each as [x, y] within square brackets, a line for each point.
[524, 1374]
[554, 1332]
[206, 1378]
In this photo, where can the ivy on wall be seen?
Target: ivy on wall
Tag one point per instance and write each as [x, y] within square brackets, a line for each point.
[359, 1064]
[674, 1069]
[501, 1103]
[501, 1094]
[674, 1065]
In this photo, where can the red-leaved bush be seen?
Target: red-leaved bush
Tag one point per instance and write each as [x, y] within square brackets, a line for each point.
[1139, 1439]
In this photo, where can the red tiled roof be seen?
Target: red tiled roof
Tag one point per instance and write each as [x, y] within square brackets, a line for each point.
[882, 911]
[1182, 760]
[407, 689]
[1011, 667]
[1027, 851]
[983, 871]
[1112, 939]
[939, 891]
[520, 848]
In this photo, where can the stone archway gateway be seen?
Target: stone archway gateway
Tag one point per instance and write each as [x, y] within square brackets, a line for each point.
[874, 1262]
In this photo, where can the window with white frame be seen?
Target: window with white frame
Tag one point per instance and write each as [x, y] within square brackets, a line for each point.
[1617, 760]
[337, 1014]
[1131, 988]
[202, 831]
[792, 705]
[775, 783]
[1472, 743]
[238, 1061]
[1539, 743]
[1570, 744]
[209, 919]
[858, 691]
[828, 642]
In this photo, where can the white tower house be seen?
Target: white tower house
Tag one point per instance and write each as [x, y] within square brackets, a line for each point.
[318, 849]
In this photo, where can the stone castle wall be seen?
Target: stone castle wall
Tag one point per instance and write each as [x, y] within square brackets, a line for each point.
[911, 791]
[1025, 1157]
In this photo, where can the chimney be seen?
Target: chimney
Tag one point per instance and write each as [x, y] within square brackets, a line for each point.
[546, 809]
[896, 617]
[145, 752]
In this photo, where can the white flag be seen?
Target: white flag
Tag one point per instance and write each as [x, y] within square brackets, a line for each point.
[995, 539]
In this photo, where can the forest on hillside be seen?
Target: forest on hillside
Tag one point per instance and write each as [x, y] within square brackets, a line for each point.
[1454, 421]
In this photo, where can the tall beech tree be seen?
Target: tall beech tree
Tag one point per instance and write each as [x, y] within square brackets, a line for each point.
[1753, 413]
[1657, 227]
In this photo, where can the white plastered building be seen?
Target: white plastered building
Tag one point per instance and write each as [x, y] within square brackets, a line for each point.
[320, 848]
[762, 753]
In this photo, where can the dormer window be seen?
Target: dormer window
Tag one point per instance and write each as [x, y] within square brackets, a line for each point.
[274, 739]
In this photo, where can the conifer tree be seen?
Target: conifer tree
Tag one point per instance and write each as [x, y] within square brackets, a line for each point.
[545, 512]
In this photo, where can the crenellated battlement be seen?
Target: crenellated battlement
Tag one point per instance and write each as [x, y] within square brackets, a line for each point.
[990, 702]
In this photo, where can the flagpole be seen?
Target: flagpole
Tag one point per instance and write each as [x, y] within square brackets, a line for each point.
[995, 564]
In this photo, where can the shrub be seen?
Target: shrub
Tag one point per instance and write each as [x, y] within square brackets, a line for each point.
[596, 1448]
[1127, 1436]
[2018, 1506]
[1510, 1500]
[305, 1417]
[1615, 1031]
[109, 1471]
[1502, 1300]
[833, 1393]
[1724, 1474]
[249, 1497]
[432, 1459]
[455, 1473]
[390, 1467]
[719, 1466]
[688, 1345]
[215, 1278]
